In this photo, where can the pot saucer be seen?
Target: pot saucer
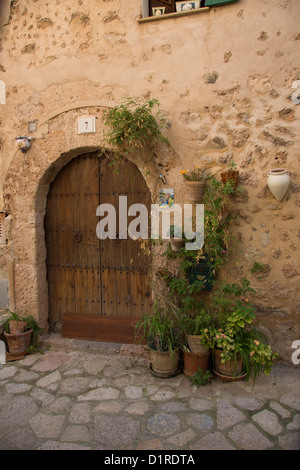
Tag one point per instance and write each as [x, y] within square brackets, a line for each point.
[166, 375]
[228, 378]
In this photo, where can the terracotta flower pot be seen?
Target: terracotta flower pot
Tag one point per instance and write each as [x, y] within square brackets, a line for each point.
[164, 364]
[232, 175]
[228, 368]
[18, 343]
[196, 190]
[177, 243]
[195, 346]
[192, 362]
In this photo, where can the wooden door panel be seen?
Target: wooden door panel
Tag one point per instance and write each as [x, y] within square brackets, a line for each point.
[61, 292]
[94, 285]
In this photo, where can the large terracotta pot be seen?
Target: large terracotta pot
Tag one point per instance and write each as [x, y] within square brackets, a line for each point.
[228, 368]
[192, 362]
[164, 364]
[18, 343]
[278, 182]
[196, 190]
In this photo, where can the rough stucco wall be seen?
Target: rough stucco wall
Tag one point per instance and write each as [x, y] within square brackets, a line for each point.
[224, 78]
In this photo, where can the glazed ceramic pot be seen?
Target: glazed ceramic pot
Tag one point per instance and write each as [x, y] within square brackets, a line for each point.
[278, 182]
[22, 143]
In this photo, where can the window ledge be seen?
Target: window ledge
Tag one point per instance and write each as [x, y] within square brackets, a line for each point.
[173, 15]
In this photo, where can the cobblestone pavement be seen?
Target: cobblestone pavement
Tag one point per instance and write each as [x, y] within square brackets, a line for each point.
[89, 395]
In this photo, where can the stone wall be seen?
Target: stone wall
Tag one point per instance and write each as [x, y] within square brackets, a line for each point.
[226, 79]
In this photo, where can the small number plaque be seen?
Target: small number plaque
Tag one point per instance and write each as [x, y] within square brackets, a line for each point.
[86, 125]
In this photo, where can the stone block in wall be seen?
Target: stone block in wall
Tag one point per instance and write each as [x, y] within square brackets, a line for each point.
[4, 293]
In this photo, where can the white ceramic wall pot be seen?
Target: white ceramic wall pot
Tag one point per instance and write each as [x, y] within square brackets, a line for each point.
[278, 182]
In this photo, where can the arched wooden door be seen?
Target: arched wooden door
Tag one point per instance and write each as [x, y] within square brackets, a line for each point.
[97, 288]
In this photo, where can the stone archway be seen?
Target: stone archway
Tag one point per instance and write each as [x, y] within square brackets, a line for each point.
[25, 196]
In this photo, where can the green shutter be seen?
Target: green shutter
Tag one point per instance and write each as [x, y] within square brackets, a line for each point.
[213, 3]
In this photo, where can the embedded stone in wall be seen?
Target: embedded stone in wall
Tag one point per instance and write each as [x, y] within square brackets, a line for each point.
[210, 77]
[218, 143]
[28, 49]
[79, 19]
[111, 16]
[263, 36]
[287, 114]
[44, 23]
[278, 141]
[276, 253]
[271, 311]
[280, 290]
[289, 270]
[240, 137]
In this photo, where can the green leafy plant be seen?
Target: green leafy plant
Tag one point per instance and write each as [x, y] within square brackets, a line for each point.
[199, 324]
[31, 324]
[196, 174]
[132, 126]
[259, 269]
[159, 329]
[231, 165]
[235, 335]
[200, 378]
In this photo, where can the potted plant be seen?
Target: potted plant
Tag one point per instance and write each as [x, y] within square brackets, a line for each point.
[21, 333]
[196, 182]
[133, 127]
[197, 340]
[160, 331]
[239, 347]
[231, 175]
[176, 243]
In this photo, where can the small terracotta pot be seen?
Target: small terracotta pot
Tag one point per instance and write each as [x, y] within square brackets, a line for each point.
[192, 362]
[196, 190]
[18, 343]
[195, 346]
[177, 243]
[228, 368]
[230, 175]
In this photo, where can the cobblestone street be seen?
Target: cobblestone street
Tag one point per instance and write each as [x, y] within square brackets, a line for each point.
[89, 395]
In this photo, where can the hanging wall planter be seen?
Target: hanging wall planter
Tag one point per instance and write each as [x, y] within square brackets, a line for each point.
[202, 271]
[195, 190]
[231, 175]
[278, 182]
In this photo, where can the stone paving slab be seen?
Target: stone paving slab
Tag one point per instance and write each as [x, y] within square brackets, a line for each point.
[87, 398]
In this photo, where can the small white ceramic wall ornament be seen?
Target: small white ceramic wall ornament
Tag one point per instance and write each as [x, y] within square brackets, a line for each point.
[278, 182]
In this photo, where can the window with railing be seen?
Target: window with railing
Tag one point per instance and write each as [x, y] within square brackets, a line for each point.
[159, 8]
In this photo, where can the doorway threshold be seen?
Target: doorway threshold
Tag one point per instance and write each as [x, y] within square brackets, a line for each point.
[56, 341]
